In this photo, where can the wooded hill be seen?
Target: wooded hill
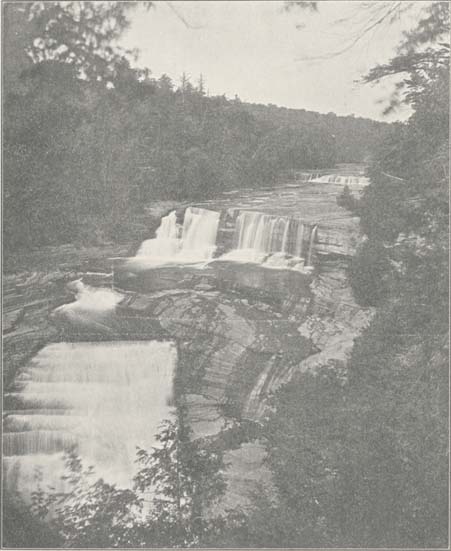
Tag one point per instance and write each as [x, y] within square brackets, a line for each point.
[81, 155]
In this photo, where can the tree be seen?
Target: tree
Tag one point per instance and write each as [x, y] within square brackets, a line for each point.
[176, 484]
[422, 53]
[82, 34]
[185, 477]
[359, 452]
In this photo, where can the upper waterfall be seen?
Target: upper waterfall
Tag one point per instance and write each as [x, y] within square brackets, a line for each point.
[338, 179]
[193, 242]
[273, 241]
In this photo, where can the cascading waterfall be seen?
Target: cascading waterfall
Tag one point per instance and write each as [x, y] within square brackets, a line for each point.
[167, 241]
[300, 240]
[273, 241]
[92, 306]
[105, 398]
[194, 242]
[91, 299]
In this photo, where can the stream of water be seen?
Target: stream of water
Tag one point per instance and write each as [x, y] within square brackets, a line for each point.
[104, 398]
[191, 243]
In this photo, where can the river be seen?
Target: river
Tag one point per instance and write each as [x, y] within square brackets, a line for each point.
[230, 297]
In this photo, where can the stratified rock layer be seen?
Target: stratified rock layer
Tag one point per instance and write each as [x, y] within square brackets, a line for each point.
[241, 330]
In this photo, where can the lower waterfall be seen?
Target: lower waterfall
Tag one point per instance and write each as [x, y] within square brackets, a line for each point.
[194, 242]
[104, 398]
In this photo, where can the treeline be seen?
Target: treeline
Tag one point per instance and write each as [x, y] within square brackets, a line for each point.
[351, 139]
[88, 142]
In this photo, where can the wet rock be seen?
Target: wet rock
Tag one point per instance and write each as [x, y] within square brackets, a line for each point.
[334, 322]
[33, 287]
[204, 415]
[223, 346]
[242, 330]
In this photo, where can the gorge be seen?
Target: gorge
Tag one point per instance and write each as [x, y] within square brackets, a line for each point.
[229, 299]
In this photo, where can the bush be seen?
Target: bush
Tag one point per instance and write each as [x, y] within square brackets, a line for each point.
[370, 274]
[347, 200]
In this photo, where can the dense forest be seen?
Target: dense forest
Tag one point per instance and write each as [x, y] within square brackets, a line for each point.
[89, 140]
[368, 468]
[368, 465]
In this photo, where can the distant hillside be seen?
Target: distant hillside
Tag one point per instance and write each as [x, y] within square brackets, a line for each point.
[80, 158]
[354, 138]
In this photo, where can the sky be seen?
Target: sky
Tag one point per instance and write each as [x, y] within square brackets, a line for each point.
[263, 54]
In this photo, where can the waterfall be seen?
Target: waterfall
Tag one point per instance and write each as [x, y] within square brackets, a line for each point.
[285, 238]
[92, 306]
[200, 227]
[261, 234]
[194, 242]
[311, 245]
[300, 240]
[91, 299]
[337, 179]
[166, 242]
[273, 241]
[105, 398]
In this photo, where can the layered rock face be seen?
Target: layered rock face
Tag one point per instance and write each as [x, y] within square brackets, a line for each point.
[241, 328]
[245, 303]
[244, 329]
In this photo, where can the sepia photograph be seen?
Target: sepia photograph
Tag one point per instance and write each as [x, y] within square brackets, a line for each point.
[225, 274]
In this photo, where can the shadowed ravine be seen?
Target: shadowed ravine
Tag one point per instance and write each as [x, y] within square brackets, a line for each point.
[227, 301]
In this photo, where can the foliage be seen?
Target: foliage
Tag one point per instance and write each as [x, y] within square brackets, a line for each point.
[80, 156]
[370, 274]
[405, 209]
[302, 4]
[21, 528]
[359, 456]
[423, 50]
[176, 484]
[185, 477]
[90, 514]
[82, 34]
[360, 461]
[341, 139]
[347, 200]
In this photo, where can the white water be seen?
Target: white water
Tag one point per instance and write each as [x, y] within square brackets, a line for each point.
[166, 244]
[273, 241]
[92, 306]
[311, 243]
[337, 179]
[192, 243]
[91, 299]
[105, 398]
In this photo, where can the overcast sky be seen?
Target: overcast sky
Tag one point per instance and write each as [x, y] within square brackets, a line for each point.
[258, 51]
